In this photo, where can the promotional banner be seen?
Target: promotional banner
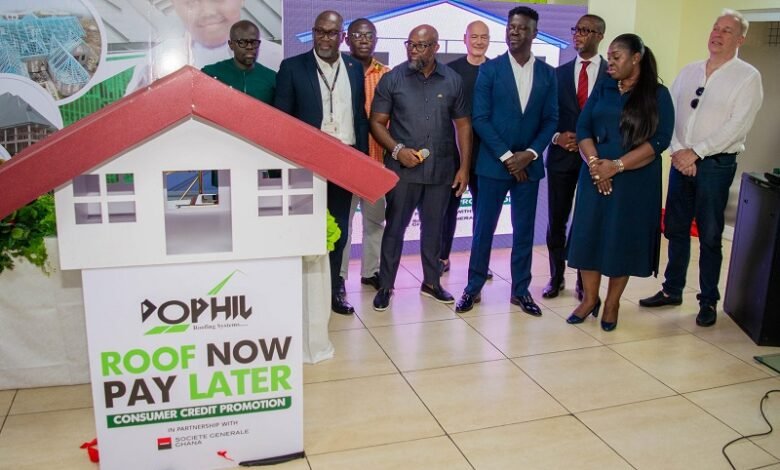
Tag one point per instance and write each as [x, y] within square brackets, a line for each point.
[196, 365]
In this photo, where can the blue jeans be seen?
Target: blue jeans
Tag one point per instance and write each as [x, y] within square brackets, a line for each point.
[704, 197]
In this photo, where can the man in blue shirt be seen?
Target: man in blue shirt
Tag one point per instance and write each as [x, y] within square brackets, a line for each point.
[421, 99]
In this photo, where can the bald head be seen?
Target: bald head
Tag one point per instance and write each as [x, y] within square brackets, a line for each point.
[421, 49]
[328, 33]
[477, 40]
[424, 32]
[243, 26]
[330, 15]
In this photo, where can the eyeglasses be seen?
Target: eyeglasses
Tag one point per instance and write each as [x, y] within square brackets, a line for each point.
[326, 33]
[699, 92]
[358, 36]
[245, 43]
[418, 46]
[583, 31]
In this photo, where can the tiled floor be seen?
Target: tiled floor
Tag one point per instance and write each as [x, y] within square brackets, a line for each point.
[420, 387]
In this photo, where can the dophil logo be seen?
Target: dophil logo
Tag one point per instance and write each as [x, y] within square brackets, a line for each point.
[164, 443]
[178, 314]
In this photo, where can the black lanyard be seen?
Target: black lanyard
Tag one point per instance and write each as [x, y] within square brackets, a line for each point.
[328, 85]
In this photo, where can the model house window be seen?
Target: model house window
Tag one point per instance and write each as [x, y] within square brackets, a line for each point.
[285, 192]
[113, 195]
[197, 211]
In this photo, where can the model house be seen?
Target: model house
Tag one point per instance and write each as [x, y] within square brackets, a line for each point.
[120, 178]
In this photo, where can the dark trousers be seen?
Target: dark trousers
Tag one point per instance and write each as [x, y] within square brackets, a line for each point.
[491, 201]
[560, 196]
[451, 217]
[430, 200]
[339, 201]
[704, 197]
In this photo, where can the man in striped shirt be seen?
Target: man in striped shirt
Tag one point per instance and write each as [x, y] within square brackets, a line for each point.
[361, 39]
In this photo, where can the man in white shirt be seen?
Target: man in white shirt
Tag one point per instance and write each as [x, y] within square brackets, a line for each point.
[515, 113]
[324, 89]
[716, 101]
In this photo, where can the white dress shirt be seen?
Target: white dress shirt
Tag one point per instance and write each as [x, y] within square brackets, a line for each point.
[341, 124]
[592, 69]
[725, 112]
[524, 81]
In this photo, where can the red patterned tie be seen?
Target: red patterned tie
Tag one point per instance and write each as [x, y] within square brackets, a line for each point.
[582, 84]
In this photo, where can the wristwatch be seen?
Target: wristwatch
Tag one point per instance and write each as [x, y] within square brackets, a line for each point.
[396, 149]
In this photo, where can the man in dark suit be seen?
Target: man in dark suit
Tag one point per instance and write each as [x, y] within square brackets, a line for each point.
[576, 79]
[423, 102]
[515, 113]
[324, 88]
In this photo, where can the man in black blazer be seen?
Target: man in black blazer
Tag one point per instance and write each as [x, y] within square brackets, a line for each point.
[576, 80]
[324, 88]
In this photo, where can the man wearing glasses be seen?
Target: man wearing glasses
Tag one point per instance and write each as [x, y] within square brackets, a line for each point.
[423, 102]
[324, 89]
[361, 39]
[515, 114]
[715, 102]
[576, 80]
[242, 72]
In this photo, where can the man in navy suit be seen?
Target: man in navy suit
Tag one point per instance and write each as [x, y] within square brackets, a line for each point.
[576, 79]
[324, 88]
[515, 113]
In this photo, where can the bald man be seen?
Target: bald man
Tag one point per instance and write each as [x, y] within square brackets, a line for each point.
[242, 72]
[477, 40]
[423, 102]
[324, 89]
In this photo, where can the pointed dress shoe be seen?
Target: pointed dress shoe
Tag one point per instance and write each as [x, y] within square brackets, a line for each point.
[372, 281]
[527, 304]
[340, 305]
[467, 302]
[437, 293]
[382, 299]
[707, 315]
[608, 325]
[552, 289]
[660, 299]
[574, 319]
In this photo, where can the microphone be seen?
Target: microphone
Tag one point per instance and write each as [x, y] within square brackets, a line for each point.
[422, 154]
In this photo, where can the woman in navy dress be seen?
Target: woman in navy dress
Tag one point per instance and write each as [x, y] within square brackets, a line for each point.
[625, 125]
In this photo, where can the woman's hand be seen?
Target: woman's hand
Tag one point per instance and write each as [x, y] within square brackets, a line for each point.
[602, 169]
[601, 172]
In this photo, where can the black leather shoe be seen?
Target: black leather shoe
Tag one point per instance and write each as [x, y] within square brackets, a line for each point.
[382, 300]
[467, 302]
[340, 305]
[574, 319]
[489, 275]
[437, 293]
[526, 302]
[660, 299]
[372, 281]
[552, 289]
[707, 315]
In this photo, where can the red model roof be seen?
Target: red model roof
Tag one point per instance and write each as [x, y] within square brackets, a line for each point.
[102, 135]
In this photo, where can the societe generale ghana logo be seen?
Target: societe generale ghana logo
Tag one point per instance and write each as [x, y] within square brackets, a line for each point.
[177, 315]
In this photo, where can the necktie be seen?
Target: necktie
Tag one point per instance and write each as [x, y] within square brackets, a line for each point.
[582, 84]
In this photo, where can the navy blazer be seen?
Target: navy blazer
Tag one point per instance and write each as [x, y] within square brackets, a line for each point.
[298, 93]
[558, 159]
[503, 126]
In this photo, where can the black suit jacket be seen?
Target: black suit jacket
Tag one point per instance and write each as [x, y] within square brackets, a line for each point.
[558, 159]
[298, 93]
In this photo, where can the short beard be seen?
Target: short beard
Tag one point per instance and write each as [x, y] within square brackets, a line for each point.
[417, 64]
